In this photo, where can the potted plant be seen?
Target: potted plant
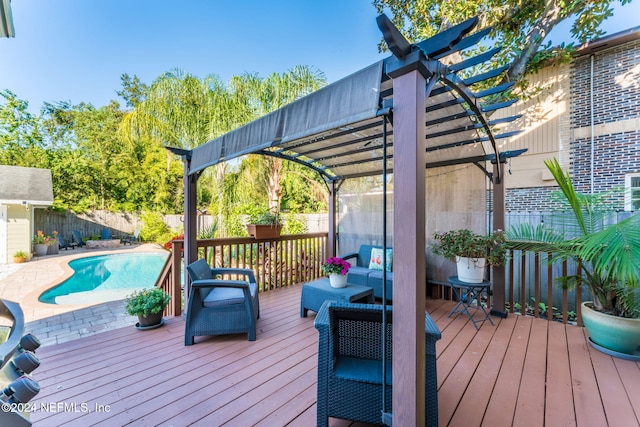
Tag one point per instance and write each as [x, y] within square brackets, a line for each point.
[148, 305]
[52, 243]
[265, 225]
[608, 257]
[19, 257]
[337, 269]
[40, 243]
[470, 251]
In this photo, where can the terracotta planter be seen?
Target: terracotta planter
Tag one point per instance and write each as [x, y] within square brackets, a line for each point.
[471, 270]
[259, 231]
[615, 333]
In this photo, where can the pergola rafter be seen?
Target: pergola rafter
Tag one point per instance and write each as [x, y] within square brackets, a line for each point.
[340, 132]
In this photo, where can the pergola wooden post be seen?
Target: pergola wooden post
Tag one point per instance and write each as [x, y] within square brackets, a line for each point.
[409, 262]
[333, 207]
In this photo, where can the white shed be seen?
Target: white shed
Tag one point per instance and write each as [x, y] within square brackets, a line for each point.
[21, 191]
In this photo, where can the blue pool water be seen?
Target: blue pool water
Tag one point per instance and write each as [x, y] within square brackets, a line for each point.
[106, 278]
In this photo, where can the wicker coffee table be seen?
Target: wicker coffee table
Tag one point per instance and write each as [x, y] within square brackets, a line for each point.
[317, 292]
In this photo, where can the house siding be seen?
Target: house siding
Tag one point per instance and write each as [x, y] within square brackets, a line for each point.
[616, 108]
[557, 123]
[18, 230]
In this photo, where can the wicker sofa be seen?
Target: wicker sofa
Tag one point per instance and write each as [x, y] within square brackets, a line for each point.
[360, 272]
[350, 363]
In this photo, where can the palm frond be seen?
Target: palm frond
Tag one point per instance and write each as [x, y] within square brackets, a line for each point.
[615, 251]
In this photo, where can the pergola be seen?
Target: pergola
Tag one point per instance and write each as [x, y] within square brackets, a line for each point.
[404, 114]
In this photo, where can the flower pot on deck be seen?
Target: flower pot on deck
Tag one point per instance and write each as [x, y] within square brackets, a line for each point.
[471, 270]
[337, 280]
[149, 322]
[619, 334]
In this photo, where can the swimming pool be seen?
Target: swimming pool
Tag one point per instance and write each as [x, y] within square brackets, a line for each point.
[106, 278]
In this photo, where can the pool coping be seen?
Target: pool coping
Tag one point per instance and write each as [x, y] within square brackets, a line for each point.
[53, 323]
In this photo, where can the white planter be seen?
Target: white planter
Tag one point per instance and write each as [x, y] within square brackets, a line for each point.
[471, 270]
[338, 280]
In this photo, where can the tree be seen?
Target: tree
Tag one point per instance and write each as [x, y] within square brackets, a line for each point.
[21, 140]
[267, 95]
[133, 90]
[520, 27]
[184, 111]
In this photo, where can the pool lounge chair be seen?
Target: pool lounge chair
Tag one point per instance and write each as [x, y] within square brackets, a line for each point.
[64, 243]
[132, 238]
[78, 238]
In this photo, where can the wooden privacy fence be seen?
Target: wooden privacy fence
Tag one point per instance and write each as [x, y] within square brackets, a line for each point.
[277, 263]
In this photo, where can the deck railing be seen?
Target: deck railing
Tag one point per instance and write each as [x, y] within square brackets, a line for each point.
[277, 263]
[532, 287]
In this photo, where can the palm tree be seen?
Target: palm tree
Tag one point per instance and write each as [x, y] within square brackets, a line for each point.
[267, 95]
[184, 111]
[608, 255]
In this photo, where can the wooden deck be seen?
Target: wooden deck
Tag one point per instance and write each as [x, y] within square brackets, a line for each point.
[522, 371]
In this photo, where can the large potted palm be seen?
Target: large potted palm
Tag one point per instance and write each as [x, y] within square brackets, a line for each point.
[608, 256]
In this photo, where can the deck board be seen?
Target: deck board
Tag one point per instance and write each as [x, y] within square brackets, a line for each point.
[522, 371]
[588, 407]
[559, 395]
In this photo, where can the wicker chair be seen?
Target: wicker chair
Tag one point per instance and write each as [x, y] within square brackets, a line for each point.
[350, 368]
[218, 307]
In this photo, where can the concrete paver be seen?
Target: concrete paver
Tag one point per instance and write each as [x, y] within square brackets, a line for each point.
[54, 323]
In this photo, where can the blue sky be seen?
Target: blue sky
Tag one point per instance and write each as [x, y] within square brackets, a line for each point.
[76, 50]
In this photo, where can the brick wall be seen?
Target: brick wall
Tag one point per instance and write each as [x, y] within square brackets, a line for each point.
[616, 114]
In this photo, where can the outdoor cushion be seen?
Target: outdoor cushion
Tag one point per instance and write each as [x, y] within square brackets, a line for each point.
[227, 296]
[358, 275]
[358, 369]
[375, 263]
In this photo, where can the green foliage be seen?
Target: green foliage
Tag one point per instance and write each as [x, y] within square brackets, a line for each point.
[293, 225]
[133, 90]
[265, 218]
[154, 228]
[519, 27]
[208, 232]
[466, 243]
[109, 158]
[147, 301]
[608, 254]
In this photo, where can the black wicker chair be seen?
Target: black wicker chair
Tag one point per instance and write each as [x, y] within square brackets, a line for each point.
[218, 307]
[350, 363]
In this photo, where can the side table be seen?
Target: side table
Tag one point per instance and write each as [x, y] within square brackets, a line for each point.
[317, 292]
[473, 291]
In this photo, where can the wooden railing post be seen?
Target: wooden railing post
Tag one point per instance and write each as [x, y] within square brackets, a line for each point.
[176, 280]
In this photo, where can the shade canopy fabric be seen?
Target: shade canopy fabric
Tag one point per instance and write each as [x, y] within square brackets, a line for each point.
[6, 19]
[338, 130]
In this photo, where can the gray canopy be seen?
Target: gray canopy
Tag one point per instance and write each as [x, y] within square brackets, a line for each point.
[338, 130]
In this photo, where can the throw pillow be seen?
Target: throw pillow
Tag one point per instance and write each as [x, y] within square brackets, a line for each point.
[375, 263]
